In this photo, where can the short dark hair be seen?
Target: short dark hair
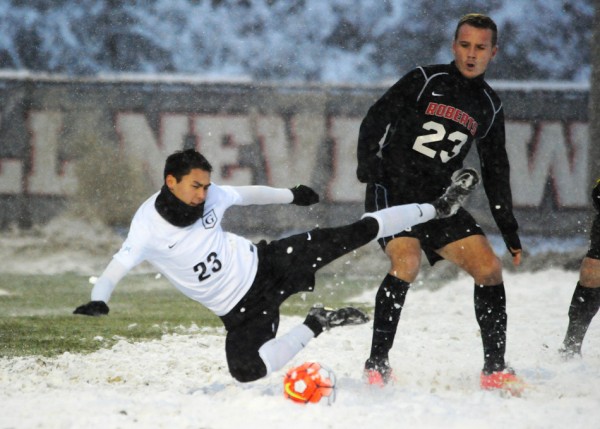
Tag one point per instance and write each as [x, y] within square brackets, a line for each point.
[478, 20]
[180, 163]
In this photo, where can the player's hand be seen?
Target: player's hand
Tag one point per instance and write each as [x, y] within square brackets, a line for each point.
[304, 196]
[516, 256]
[92, 308]
[513, 244]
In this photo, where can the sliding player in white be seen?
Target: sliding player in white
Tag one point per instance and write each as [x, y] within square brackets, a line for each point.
[178, 230]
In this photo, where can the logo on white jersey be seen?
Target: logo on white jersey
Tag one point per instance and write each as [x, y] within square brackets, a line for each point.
[209, 220]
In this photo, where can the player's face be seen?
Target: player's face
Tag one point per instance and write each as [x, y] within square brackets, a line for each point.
[473, 50]
[192, 189]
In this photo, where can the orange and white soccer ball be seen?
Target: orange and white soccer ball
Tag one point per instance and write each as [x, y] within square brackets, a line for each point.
[309, 382]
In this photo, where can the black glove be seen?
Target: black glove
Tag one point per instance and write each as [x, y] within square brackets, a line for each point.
[512, 241]
[304, 196]
[92, 308]
[596, 196]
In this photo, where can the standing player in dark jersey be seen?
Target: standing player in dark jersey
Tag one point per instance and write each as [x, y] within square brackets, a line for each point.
[586, 297]
[430, 118]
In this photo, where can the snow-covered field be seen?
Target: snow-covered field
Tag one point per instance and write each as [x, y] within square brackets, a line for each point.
[182, 381]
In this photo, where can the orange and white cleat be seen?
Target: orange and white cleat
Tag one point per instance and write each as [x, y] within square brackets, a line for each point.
[378, 373]
[504, 381]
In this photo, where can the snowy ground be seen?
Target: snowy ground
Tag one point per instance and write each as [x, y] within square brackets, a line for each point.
[181, 381]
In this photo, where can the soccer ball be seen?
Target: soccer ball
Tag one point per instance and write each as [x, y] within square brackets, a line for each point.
[309, 382]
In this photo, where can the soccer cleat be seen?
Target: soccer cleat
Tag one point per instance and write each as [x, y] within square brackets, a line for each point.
[330, 318]
[504, 381]
[570, 351]
[463, 182]
[378, 373]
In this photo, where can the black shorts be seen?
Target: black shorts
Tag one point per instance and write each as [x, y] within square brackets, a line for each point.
[594, 250]
[432, 235]
[285, 267]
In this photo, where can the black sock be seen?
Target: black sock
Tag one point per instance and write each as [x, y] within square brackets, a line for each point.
[490, 310]
[314, 325]
[388, 306]
[583, 308]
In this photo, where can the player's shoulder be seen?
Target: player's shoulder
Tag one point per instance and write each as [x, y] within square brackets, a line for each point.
[491, 94]
[421, 74]
[219, 191]
[432, 70]
[222, 194]
[143, 220]
[146, 208]
[488, 88]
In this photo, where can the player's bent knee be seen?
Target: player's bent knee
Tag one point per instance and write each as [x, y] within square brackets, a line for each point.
[589, 273]
[405, 267]
[490, 279]
[408, 276]
[489, 273]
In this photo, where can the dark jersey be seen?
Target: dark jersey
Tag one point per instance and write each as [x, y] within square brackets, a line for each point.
[428, 121]
[594, 250]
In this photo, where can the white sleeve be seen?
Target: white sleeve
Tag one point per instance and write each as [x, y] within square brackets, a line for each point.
[106, 283]
[261, 195]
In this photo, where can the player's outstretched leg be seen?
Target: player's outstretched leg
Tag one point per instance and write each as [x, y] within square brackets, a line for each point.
[392, 220]
[463, 182]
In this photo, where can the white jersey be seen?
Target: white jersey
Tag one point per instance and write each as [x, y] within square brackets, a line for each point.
[209, 265]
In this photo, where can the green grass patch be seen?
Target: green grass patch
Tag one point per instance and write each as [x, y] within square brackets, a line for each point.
[36, 312]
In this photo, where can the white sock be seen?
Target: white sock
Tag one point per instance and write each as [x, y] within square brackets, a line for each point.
[396, 219]
[277, 352]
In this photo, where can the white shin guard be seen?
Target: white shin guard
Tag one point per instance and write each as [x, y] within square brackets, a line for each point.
[277, 352]
[396, 219]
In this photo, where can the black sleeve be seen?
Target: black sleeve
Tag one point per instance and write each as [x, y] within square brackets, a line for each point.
[495, 171]
[375, 125]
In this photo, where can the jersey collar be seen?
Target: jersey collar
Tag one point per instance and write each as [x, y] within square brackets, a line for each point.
[477, 81]
[175, 211]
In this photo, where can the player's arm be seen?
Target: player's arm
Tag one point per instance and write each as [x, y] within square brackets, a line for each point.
[372, 129]
[102, 290]
[495, 172]
[300, 195]
[378, 122]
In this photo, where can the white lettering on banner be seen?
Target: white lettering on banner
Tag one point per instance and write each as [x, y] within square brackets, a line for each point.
[344, 184]
[559, 152]
[143, 148]
[219, 139]
[11, 174]
[47, 177]
[290, 161]
[549, 152]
